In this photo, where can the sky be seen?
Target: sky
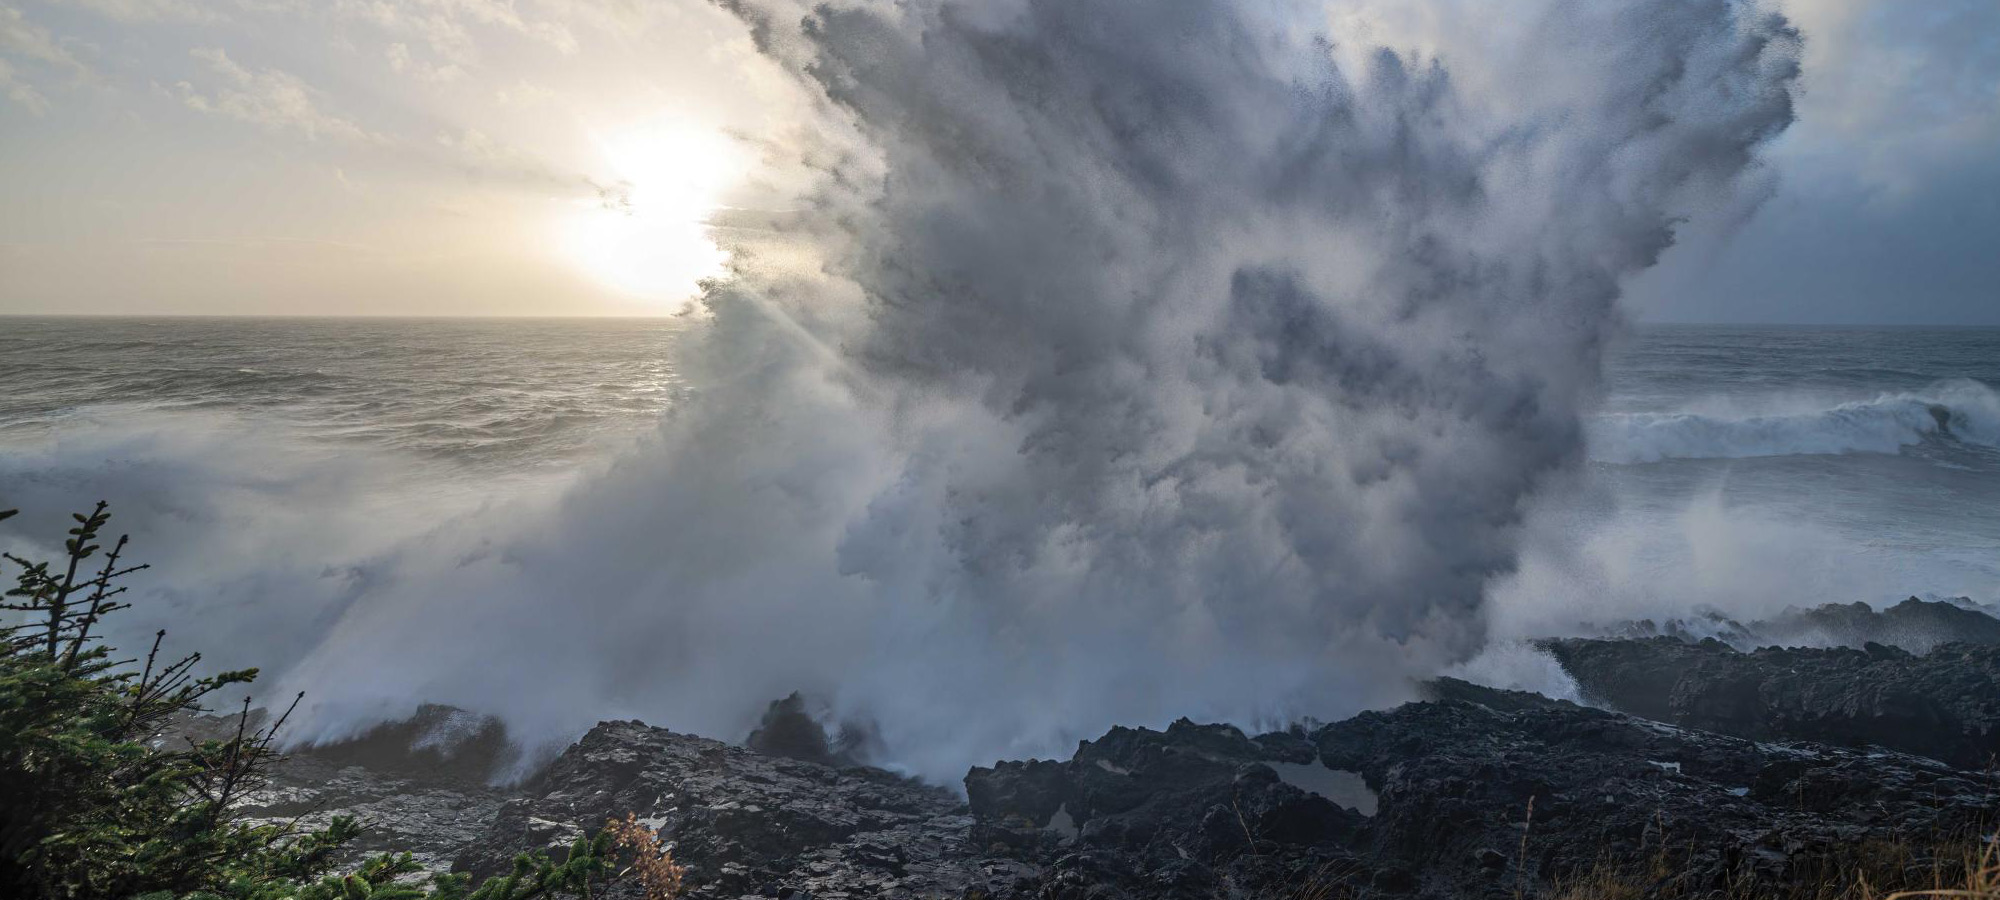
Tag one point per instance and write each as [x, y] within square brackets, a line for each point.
[565, 157]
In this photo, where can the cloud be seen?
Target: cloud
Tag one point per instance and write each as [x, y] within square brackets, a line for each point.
[271, 98]
[479, 154]
[1895, 91]
[24, 41]
[151, 10]
[1884, 210]
[524, 93]
[447, 27]
[280, 101]
[625, 18]
[20, 91]
[402, 62]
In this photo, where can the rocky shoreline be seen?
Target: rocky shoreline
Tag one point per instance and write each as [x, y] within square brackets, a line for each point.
[1711, 768]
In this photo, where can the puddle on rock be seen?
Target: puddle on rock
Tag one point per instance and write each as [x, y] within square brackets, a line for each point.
[1342, 787]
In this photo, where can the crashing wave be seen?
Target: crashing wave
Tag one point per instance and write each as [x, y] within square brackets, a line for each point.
[1122, 362]
[1963, 410]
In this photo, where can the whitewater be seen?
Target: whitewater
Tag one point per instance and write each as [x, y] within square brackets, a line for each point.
[1120, 364]
[1960, 410]
[295, 442]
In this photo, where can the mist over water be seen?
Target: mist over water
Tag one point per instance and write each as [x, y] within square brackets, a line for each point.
[1130, 361]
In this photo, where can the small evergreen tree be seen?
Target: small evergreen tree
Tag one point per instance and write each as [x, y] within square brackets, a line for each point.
[93, 805]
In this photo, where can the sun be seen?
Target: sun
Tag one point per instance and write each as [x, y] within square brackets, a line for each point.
[646, 235]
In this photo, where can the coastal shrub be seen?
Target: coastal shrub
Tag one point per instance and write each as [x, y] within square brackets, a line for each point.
[95, 802]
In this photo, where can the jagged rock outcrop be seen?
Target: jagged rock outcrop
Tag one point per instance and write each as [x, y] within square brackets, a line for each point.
[788, 729]
[426, 785]
[1456, 781]
[1194, 811]
[1944, 704]
[1914, 625]
[749, 824]
[1429, 799]
[1770, 772]
[1202, 811]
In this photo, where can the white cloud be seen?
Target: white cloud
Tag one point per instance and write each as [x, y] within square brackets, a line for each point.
[480, 154]
[478, 150]
[622, 17]
[280, 101]
[271, 98]
[20, 91]
[1895, 91]
[446, 38]
[149, 10]
[524, 93]
[403, 62]
[446, 26]
[24, 41]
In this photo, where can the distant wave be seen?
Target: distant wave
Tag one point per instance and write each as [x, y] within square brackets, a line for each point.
[1961, 410]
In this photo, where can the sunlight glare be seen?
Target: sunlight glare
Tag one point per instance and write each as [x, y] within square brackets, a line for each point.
[648, 234]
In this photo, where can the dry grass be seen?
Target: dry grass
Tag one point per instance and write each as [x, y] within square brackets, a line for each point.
[1955, 865]
[1952, 870]
[1969, 870]
[1981, 879]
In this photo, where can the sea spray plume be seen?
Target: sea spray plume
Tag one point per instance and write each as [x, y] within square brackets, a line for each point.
[1147, 364]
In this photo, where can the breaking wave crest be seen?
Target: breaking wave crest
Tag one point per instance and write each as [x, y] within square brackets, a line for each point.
[1962, 410]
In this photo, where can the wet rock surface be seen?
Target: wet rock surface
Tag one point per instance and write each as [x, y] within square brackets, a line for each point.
[1472, 799]
[1482, 794]
[790, 729]
[432, 818]
[1195, 810]
[1944, 704]
[1553, 789]
[1914, 624]
[750, 824]
[425, 785]
[1476, 792]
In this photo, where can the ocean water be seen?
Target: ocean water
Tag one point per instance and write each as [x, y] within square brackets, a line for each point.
[1737, 468]
[487, 396]
[1746, 469]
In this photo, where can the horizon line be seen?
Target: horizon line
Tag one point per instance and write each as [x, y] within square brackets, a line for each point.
[529, 317]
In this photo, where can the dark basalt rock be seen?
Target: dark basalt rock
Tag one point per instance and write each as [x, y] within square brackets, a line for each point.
[1194, 811]
[1914, 625]
[1443, 689]
[426, 785]
[788, 729]
[438, 743]
[749, 824]
[1476, 792]
[1431, 799]
[1944, 704]
[1457, 780]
